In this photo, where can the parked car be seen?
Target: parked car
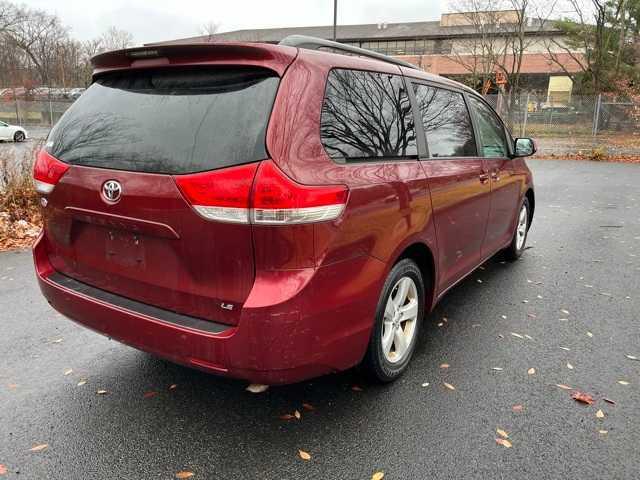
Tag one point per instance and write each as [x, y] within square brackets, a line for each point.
[12, 133]
[273, 212]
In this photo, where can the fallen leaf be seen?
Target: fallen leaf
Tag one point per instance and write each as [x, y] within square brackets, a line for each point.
[608, 400]
[603, 432]
[444, 365]
[57, 340]
[564, 387]
[3, 470]
[589, 334]
[81, 382]
[297, 414]
[631, 357]
[173, 386]
[504, 317]
[623, 382]
[531, 315]
[68, 372]
[425, 384]
[150, 394]
[600, 414]
[257, 388]
[308, 407]
[38, 448]
[582, 397]
[504, 442]
[102, 392]
[440, 324]
[525, 301]
[377, 476]
[497, 369]
[184, 474]
[356, 388]
[479, 281]
[516, 335]
[565, 311]
[304, 455]
[449, 386]
[531, 371]
[528, 337]
[569, 366]
[517, 408]
[502, 433]
[565, 348]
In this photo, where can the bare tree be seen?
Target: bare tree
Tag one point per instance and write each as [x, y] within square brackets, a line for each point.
[37, 35]
[209, 29]
[115, 39]
[497, 35]
[10, 15]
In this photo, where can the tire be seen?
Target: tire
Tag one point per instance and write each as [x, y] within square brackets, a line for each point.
[18, 137]
[518, 243]
[386, 363]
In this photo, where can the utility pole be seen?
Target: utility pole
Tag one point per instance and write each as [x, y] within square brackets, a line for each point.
[335, 18]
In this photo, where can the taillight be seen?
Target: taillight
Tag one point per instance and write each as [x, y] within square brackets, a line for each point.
[221, 195]
[266, 197]
[279, 200]
[47, 172]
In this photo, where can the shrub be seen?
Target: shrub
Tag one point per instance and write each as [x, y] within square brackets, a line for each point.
[20, 218]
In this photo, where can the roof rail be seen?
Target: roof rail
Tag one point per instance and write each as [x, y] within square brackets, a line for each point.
[313, 43]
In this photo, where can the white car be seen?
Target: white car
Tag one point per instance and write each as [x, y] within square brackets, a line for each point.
[12, 132]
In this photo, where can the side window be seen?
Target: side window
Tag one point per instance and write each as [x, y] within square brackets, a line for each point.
[490, 129]
[367, 115]
[446, 122]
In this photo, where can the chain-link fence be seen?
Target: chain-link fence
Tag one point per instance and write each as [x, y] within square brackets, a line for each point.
[33, 113]
[545, 116]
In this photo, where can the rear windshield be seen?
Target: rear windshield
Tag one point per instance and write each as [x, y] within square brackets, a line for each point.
[180, 121]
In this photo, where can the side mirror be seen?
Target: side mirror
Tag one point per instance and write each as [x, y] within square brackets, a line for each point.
[524, 147]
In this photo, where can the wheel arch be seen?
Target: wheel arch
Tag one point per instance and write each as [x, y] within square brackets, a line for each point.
[422, 255]
[532, 203]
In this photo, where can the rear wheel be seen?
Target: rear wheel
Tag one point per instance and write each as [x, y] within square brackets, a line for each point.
[397, 323]
[516, 247]
[18, 137]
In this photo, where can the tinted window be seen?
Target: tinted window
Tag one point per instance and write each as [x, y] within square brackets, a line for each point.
[490, 129]
[168, 121]
[367, 115]
[446, 122]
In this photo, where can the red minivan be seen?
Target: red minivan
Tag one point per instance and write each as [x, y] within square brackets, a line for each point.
[272, 212]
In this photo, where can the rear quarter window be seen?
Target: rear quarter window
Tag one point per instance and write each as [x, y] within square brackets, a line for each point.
[168, 121]
[367, 116]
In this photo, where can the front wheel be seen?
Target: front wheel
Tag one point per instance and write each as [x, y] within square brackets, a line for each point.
[516, 247]
[19, 137]
[398, 317]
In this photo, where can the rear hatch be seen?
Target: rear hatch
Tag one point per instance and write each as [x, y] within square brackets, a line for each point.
[118, 220]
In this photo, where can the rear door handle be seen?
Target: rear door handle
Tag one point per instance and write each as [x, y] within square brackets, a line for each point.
[484, 177]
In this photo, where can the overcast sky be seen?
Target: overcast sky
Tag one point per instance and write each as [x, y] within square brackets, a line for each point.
[159, 20]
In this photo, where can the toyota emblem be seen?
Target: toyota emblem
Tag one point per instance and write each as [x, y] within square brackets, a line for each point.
[111, 191]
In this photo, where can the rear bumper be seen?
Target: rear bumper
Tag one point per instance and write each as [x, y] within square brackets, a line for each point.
[284, 336]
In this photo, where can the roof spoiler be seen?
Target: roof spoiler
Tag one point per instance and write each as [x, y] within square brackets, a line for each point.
[250, 54]
[313, 43]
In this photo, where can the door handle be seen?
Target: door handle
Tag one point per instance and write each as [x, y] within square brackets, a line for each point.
[495, 176]
[484, 177]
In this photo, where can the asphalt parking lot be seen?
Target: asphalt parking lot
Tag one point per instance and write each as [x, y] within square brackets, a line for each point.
[567, 314]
